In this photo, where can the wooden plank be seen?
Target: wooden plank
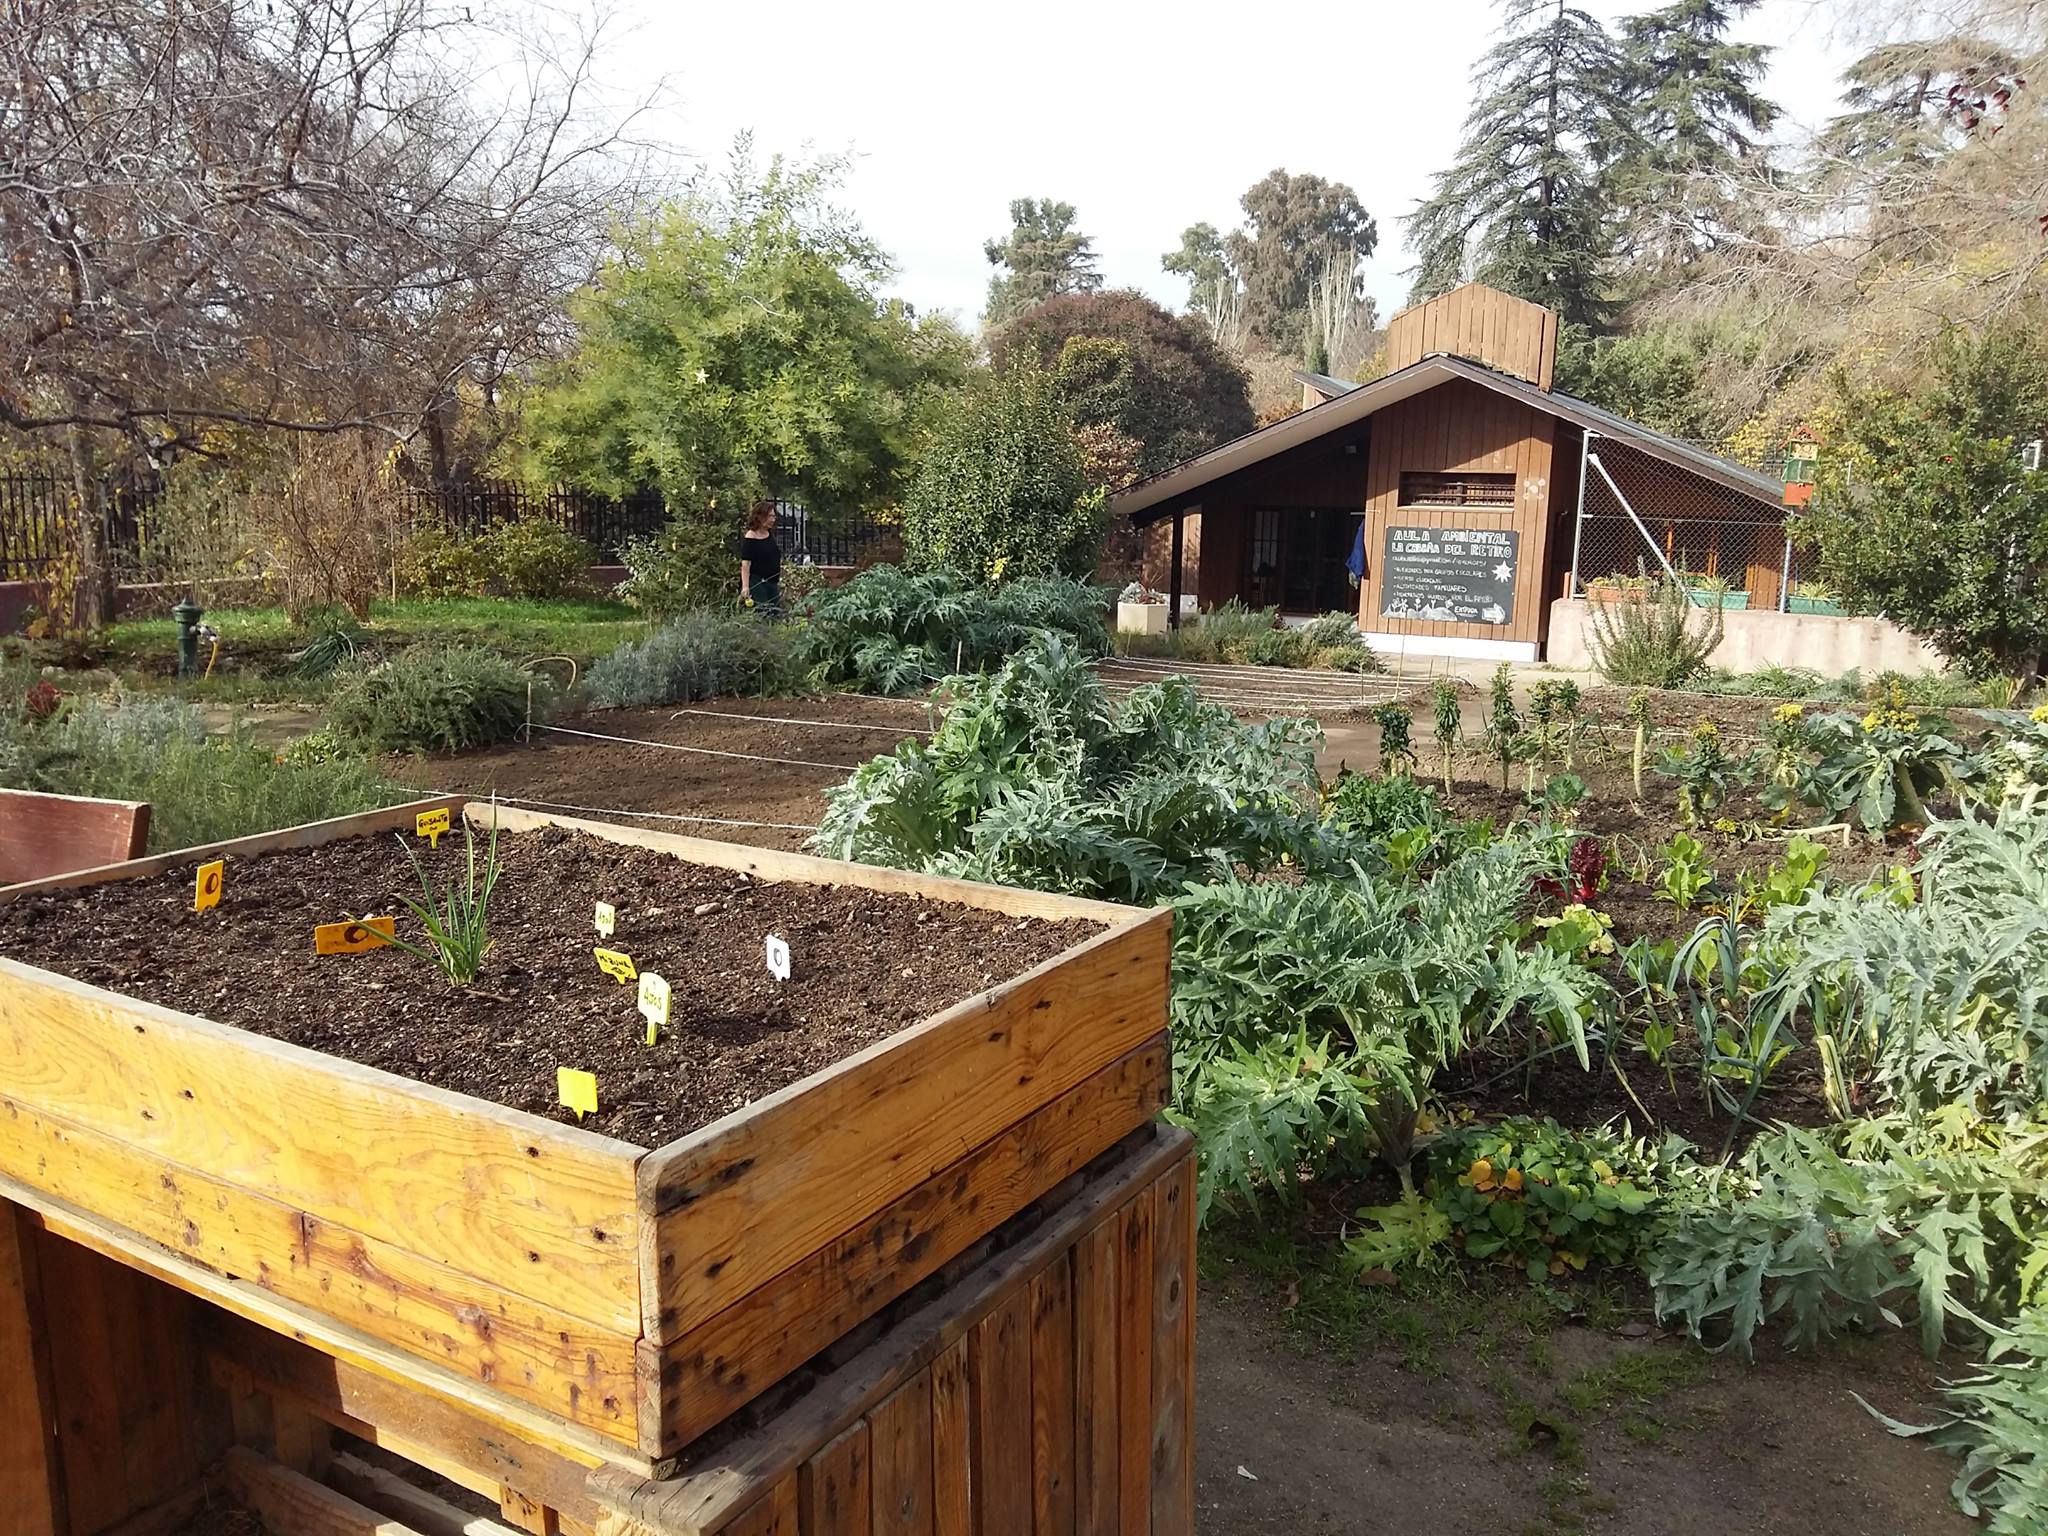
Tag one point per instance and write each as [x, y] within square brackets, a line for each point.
[43, 834]
[528, 1514]
[560, 1363]
[403, 1417]
[1134, 1382]
[748, 1196]
[291, 1504]
[716, 1368]
[28, 1438]
[952, 1446]
[1173, 1340]
[809, 869]
[698, 1502]
[391, 1495]
[310, 835]
[832, 1489]
[999, 1399]
[1052, 1400]
[1096, 1472]
[245, 1300]
[81, 1337]
[773, 1514]
[900, 1443]
[544, 1211]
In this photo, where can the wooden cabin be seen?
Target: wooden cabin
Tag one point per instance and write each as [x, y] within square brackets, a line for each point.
[1469, 475]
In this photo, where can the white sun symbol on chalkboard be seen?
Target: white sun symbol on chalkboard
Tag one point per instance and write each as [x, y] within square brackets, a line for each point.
[1503, 571]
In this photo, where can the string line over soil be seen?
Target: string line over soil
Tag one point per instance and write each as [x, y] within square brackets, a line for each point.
[672, 746]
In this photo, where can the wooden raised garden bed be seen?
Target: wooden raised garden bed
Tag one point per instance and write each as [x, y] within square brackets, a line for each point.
[609, 1299]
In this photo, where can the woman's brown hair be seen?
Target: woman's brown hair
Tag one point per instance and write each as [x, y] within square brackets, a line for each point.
[761, 515]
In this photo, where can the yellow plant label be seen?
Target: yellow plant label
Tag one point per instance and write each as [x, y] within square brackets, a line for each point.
[653, 1003]
[607, 918]
[352, 938]
[615, 964]
[206, 886]
[431, 824]
[577, 1090]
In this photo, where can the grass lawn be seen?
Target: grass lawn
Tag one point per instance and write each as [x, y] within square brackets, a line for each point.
[579, 627]
[258, 645]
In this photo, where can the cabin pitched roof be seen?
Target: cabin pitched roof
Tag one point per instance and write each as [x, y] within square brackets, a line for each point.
[1180, 486]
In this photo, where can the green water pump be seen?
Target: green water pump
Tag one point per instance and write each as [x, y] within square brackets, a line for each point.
[186, 615]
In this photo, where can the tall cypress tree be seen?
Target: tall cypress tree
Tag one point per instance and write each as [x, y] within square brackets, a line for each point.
[1697, 118]
[1526, 204]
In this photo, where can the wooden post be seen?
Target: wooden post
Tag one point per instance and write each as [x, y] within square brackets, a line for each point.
[1173, 577]
[28, 1470]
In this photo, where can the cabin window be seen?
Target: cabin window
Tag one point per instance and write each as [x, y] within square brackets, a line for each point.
[1423, 489]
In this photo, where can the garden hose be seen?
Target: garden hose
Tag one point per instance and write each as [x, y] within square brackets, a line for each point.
[212, 637]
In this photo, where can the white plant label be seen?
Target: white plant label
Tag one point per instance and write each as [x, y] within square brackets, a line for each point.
[653, 1002]
[607, 918]
[778, 957]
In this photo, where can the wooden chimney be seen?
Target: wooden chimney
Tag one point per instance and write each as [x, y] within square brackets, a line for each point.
[1481, 324]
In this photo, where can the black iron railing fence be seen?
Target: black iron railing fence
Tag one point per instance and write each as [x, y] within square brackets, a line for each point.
[37, 526]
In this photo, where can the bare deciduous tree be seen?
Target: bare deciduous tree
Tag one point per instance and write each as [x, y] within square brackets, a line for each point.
[285, 215]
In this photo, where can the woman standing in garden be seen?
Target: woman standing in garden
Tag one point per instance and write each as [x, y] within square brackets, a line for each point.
[761, 561]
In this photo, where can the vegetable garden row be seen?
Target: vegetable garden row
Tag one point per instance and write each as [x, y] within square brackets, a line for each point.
[1851, 1023]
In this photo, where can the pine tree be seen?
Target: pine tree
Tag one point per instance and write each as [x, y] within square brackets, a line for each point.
[1043, 255]
[1526, 204]
[1697, 118]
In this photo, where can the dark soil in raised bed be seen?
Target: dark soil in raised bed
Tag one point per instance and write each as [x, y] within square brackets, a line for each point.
[865, 964]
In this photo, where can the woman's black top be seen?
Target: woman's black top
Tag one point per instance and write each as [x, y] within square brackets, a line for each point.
[764, 554]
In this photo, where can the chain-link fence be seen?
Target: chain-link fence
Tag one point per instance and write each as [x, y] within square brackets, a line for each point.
[1645, 520]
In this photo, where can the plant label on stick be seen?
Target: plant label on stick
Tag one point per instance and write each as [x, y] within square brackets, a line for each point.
[615, 964]
[607, 919]
[577, 1090]
[777, 948]
[353, 937]
[207, 884]
[653, 1004]
[430, 825]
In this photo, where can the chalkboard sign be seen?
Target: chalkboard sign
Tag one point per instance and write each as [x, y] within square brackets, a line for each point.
[1450, 575]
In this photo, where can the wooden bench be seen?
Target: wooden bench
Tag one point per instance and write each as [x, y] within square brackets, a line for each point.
[43, 835]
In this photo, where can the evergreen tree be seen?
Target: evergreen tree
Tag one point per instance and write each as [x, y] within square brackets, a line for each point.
[1526, 205]
[1302, 234]
[1043, 255]
[1215, 292]
[1696, 116]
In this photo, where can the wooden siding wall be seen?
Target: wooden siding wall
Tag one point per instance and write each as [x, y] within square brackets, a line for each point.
[1319, 476]
[103, 1414]
[1482, 324]
[1462, 426]
[1049, 1393]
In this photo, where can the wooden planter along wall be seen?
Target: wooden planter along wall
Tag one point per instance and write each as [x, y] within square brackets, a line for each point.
[608, 1302]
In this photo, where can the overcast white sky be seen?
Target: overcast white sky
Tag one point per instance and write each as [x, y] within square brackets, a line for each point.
[1147, 117]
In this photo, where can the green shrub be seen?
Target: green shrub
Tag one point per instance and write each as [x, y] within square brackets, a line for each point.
[433, 562]
[697, 656]
[891, 631]
[435, 698]
[200, 788]
[1659, 640]
[1002, 492]
[1271, 648]
[530, 558]
[533, 558]
[690, 564]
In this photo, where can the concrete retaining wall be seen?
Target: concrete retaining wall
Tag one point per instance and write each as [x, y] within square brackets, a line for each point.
[1751, 640]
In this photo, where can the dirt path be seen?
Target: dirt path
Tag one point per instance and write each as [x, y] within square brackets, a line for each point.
[1446, 1422]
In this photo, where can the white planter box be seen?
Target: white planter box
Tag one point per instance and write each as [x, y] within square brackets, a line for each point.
[1141, 618]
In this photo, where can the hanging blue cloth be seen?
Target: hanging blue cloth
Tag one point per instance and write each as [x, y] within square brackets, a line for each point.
[1355, 562]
